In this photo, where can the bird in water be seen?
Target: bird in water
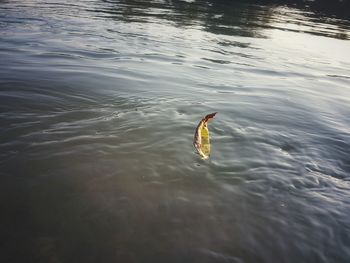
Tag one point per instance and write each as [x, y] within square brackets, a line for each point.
[201, 139]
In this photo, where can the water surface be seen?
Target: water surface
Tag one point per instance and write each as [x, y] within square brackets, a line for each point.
[98, 105]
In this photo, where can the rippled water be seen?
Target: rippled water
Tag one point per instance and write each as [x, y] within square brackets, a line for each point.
[98, 105]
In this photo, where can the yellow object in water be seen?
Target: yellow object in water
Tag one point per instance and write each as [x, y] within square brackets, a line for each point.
[201, 137]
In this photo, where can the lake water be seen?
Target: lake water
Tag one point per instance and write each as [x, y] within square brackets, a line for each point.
[98, 105]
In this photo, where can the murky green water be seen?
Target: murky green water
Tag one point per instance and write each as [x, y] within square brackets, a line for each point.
[98, 105]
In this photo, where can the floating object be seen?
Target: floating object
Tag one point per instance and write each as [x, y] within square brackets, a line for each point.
[201, 139]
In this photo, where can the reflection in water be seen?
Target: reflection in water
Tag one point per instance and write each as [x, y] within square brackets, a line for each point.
[238, 18]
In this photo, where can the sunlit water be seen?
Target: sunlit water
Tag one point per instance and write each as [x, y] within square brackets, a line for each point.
[98, 105]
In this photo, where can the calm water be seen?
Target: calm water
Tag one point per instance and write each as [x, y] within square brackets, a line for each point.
[98, 105]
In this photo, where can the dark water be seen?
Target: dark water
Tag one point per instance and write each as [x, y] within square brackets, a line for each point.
[98, 105]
